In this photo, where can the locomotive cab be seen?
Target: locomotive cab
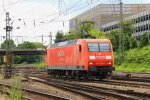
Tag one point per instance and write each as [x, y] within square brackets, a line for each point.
[100, 58]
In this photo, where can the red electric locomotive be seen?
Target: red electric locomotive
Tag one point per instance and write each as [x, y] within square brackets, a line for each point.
[81, 58]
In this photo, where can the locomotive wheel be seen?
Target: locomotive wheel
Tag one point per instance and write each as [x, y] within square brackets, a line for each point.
[59, 75]
[101, 78]
[54, 76]
[77, 77]
[109, 75]
[85, 76]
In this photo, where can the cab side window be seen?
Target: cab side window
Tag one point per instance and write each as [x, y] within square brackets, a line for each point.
[80, 48]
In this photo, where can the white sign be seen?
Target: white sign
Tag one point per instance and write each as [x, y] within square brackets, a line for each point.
[92, 57]
[108, 57]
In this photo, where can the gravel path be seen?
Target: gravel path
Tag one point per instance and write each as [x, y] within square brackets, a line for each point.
[2, 97]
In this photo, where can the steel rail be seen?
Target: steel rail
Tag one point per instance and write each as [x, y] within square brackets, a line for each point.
[23, 97]
[123, 83]
[38, 93]
[113, 92]
[141, 79]
[68, 88]
[87, 88]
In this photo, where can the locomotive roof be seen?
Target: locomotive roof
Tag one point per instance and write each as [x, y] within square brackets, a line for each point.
[97, 40]
[72, 42]
[65, 43]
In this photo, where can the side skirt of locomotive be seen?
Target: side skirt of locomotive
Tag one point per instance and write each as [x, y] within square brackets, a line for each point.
[78, 72]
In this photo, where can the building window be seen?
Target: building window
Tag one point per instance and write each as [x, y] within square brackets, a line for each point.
[142, 28]
[134, 20]
[146, 17]
[104, 29]
[142, 18]
[138, 20]
[147, 27]
[136, 29]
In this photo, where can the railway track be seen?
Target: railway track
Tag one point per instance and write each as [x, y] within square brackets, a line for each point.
[128, 74]
[123, 83]
[23, 97]
[111, 82]
[141, 79]
[93, 90]
[67, 87]
[116, 80]
[138, 77]
[120, 77]
[35, 92]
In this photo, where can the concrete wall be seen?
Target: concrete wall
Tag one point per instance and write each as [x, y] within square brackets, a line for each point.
[106, 13]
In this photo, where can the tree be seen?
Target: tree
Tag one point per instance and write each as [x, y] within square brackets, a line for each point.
[127, 31]
[134, 43]
[60, 37]
[5, 44]
[128, 40]
[114, 37]
[72, 35]
[128, 28]
[144, 41]
[30, 45]
[98, 34]
[84, 29]
[86, 26]
[29, 58]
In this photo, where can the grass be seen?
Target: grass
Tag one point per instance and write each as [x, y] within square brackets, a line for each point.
[25, 65]
[136, 60]
[16, 89]
[41, 65]
[133, 67]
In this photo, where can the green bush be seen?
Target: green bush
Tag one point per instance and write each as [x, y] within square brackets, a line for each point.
[144, 41]
[41, 65]
[136, 60]
[16, 89]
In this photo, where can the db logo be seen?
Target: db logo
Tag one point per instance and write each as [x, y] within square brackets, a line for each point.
[60, 53]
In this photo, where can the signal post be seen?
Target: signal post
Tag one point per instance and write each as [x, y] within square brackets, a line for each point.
[7, 57]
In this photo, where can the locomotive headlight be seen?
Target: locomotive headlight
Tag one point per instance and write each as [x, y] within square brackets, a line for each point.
[91, 63]
[109, 63]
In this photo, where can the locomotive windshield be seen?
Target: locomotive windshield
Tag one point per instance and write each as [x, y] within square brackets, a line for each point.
[99, 47]
[93, 47]
[104, 47]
